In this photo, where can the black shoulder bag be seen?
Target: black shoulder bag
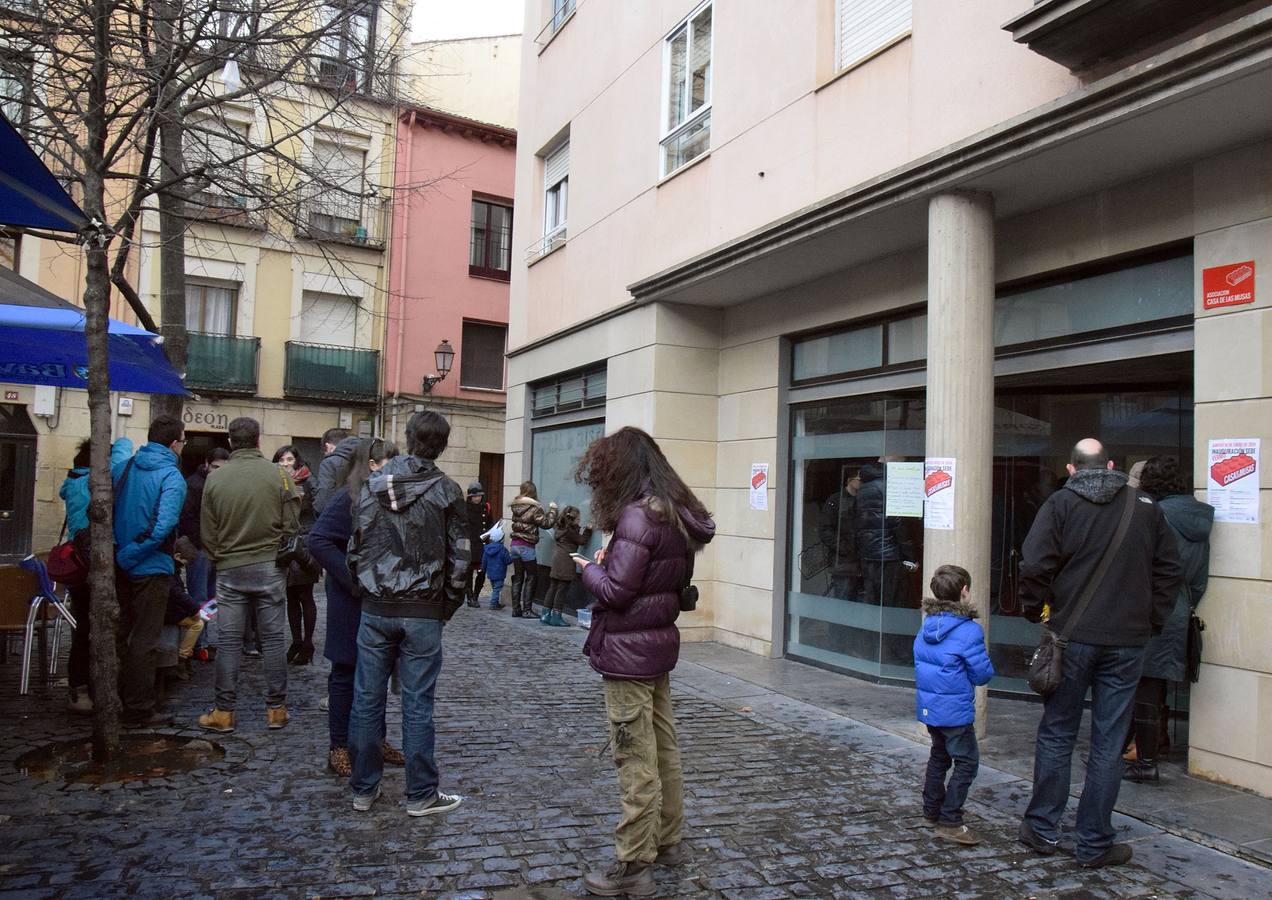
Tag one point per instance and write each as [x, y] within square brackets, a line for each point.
[1046, 669]
[689, 591]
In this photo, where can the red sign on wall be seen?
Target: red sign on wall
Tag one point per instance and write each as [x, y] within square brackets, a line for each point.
[11, 395]
[1229, 285]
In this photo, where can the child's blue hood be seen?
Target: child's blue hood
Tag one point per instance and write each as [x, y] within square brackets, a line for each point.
[942, 618]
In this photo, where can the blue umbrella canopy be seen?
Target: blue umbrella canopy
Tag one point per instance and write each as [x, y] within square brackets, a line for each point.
[42, 342]
[30, 197]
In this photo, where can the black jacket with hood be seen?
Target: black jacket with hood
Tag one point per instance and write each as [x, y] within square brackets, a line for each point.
[1065, 545]
[879, 537]
[331, 473]
[409, 553]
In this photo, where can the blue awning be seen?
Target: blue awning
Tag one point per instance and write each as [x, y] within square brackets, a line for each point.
[30, 197]
[42, 342]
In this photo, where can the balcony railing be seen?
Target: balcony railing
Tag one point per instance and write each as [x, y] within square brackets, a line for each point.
[222, 364]
[329, 214]
[327, 372]
[352, 76]
[224, 204]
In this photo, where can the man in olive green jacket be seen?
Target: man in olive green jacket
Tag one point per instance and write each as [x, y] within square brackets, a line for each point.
[250, 506]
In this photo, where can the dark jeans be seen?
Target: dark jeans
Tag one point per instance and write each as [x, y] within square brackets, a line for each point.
[1146, 729]
[1111, 673]
[201, 586]
[143, 602]
[557, 589]
[416, 646]
[77, 666]
[524, 573]
[259, 588]
[476, 578]
[951, 745]
[302, 612]
[339, 703]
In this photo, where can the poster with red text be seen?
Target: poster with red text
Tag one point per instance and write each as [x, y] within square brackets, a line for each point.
[938, 491]
[1232, 480]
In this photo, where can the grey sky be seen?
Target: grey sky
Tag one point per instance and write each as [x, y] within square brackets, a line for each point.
[445, 19]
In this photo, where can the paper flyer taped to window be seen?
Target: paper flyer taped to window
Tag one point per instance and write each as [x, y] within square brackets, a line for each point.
[759, 485]
[938, 493]
[905, 490]
[1232, 479]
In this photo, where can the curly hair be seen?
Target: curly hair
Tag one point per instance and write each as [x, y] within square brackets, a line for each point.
[628, 466]
[1163, 477]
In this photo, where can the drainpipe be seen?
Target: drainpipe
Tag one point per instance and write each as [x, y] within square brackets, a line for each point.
[400, 288]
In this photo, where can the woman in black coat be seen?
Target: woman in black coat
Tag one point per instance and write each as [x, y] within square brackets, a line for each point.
[328, 541]
[303, 572]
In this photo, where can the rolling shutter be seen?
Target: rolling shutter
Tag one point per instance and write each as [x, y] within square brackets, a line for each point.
[867, 25]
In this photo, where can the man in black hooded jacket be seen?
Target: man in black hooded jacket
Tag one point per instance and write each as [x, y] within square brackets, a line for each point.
[409, 556]
[337, 448]
[1106, 651]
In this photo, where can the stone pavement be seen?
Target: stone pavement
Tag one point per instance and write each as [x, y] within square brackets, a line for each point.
[785, 799]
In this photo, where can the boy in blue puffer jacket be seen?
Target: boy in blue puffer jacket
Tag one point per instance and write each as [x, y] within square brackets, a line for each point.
[949, 660]
[494, 562]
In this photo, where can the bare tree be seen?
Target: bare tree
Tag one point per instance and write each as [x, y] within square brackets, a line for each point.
[126, 99]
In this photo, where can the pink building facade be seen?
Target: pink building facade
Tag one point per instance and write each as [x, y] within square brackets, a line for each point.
[448, 277]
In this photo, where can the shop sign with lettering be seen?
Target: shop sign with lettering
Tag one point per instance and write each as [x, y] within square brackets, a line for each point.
[1230, 285]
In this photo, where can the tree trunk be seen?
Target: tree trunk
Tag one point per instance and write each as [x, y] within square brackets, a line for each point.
[172, 223]
[104, 612]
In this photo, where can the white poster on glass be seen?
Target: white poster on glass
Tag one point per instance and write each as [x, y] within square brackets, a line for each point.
[905, 490]
[1232, 480]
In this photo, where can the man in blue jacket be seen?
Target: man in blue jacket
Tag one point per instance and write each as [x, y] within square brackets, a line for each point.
[949, 661]
[149, 493]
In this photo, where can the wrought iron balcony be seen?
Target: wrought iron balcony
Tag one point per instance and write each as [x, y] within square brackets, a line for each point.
[327, 372]
[329, 214]
[232, 203]
[222, 364]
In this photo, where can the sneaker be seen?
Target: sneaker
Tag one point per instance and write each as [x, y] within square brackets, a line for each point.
[545, 617]
[362, 803]
[1117, 855]
[338, 762]
[1040, 844]
[276, 717]
[79, 702]
[391, 755]
[219, 720]
[440, 803]
[636, 879]
[929, 823]
[671, 855]
[959, 834]
[1141, 771]
[325, 703]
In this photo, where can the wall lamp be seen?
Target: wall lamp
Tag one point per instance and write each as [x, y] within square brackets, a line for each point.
[444, 358]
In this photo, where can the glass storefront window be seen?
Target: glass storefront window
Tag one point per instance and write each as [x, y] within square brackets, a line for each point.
[1131, 296]
[907, 340]
[852, 602]
[555, 456]
[844, 351]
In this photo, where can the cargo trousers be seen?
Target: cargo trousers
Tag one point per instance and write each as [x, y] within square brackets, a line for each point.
[643, 734]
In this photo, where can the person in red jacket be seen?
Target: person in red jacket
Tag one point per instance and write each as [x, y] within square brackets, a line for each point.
[657, 525]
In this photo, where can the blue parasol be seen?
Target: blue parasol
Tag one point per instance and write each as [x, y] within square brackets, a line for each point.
[30, 197]
[42, 342]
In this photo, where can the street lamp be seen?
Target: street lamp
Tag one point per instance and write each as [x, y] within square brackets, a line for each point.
[444, 358]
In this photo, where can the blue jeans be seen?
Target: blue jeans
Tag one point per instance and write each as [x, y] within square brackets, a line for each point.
[259, 587]
[496, 588]
[416, 645]
[951, 745]
[1112, 674]
[196, 575]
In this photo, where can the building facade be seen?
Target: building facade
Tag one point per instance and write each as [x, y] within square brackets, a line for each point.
[804, 253]
[449, 283]
[474, 77]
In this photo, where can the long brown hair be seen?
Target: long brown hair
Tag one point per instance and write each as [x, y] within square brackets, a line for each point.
[359, 471]
[628, 466]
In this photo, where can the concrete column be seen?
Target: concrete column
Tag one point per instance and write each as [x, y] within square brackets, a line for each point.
[960, 387]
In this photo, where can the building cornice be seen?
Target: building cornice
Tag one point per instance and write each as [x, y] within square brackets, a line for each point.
[426, 117]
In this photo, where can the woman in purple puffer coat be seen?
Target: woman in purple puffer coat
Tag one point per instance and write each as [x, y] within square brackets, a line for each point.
[657, 526]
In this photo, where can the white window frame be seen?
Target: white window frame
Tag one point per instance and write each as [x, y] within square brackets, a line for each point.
[555, 225]
[887, 39]
[670, 134]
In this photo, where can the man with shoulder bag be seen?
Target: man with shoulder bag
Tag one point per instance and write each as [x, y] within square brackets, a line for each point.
[250, 517]
[1102, 556]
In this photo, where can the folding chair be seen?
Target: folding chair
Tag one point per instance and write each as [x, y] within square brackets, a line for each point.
[45, 594]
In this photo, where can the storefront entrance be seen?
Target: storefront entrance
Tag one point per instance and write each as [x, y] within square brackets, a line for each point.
[855, 577]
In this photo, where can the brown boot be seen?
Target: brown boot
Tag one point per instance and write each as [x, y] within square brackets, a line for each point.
[338, 762]
[636, 879]
[219, 720]
[276, 717]
[392, 755]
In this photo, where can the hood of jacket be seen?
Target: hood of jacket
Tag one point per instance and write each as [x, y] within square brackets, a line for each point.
[403, 481]
[943, 617]
[77, 472]
[344, 449]
[153, 457]
[1096, 485]
[871, 472]
[701, 529]
[1188, 516]
[524, 501]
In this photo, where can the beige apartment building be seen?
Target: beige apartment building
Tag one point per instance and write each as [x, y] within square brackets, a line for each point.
[803, 250]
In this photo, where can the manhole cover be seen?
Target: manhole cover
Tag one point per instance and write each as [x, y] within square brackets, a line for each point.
[141, 757]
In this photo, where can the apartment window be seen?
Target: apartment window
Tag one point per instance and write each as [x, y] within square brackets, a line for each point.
[221, 148]
[561, 10]
[687, 91]
[211, 307]
[481, 356]
[864, 27]
[490, 243]
[16, 75]
[582, 389]
[329, 319]
[336, 204]
[556, 185]
[343, 45]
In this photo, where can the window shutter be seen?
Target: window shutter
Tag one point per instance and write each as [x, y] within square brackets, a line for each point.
[867, 25]
[556, 166]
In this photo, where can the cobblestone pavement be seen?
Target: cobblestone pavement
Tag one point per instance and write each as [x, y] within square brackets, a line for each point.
[784, 800]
